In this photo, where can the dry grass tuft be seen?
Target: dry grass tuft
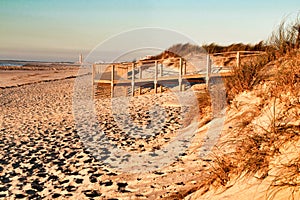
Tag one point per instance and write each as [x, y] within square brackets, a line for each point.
[287, 179]
[287, 75]
[251, 155]
[285, 38]
[246, 76]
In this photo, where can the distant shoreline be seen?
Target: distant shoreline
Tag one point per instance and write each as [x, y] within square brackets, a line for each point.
[29, 62]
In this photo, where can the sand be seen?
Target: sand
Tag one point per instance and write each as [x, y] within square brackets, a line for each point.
[13, 78]
[42, 155]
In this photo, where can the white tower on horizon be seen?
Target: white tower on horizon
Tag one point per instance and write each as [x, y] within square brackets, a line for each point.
[80, 58]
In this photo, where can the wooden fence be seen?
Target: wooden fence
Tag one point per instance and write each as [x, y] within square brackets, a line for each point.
[132, 73]
[238, 55]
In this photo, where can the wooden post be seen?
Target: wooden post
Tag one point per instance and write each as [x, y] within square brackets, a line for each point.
[93, 80]
[155, 77]
[208, 69]
[238, 59]
[126, 78]
[180, 75]
[132, 80]
[80, 59]
[112, 80]
[184, 68]
[140, 77]
[161, 75]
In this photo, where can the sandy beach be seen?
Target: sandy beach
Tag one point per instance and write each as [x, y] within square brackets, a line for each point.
[42, 155]
[13, 76]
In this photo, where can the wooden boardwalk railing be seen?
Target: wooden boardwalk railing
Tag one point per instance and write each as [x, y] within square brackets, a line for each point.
[134, 73]
[119, 74]
[238, 55]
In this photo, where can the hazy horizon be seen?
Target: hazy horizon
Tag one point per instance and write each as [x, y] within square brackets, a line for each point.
[61, 30]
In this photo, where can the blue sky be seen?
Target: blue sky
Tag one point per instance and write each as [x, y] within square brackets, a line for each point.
[60, 30]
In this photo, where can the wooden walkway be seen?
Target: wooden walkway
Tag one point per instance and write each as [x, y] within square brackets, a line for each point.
[135, 75]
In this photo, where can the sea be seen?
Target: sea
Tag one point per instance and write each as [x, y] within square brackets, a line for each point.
[12, 63]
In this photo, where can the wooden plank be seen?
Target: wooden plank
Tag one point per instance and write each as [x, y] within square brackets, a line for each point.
[208, 69]
[184, 68]
[140, 78]
[234, 52]
[155, 77]
[194, 76]
[180, 75]
[183, 72]
[126, 78]
[112, 80]
[238, 59]
[103, 81]
[132, 80]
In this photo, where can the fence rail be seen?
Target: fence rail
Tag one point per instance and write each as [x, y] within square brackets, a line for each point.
[134, 74]
[238, 55]
[138, 73]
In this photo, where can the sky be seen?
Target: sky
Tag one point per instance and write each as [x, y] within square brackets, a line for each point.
[59, 30]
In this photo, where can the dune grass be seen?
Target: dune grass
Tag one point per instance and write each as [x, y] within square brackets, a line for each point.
[285, 38]
[246, 76]
[254, 147]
